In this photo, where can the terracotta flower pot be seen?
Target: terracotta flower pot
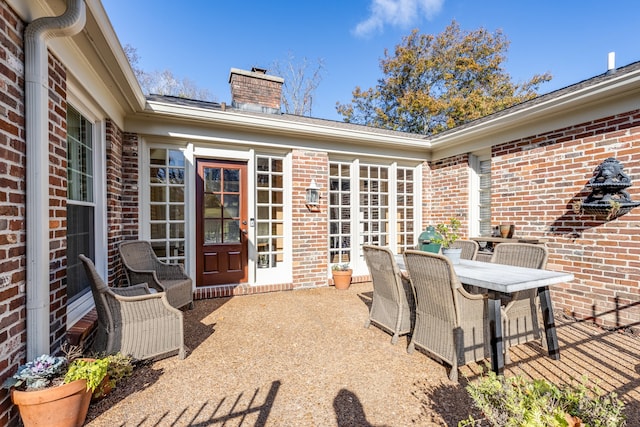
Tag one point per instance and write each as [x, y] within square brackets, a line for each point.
[505, 229]
[342, 279]
[61, 406]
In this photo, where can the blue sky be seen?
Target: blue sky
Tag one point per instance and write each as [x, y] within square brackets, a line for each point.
[203, 39]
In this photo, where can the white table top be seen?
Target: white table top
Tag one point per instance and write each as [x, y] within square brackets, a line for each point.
[502, 278]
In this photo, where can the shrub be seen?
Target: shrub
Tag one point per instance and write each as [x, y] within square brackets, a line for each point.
[517, 402]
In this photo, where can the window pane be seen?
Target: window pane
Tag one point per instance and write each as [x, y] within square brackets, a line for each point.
[80, 231]
[158, 212]
[176, 231]
[80, 218]
[167, 209]
[176, 194]
[158, 231]
[212, 178]
[157, 194]
[176, 176]
[270, 211]
[231, 180]
[212, 206]
[231, 231]
[176, 212]
[212, 231]
[176, 158]
[276, 165]
[231, 206]
[339, 213]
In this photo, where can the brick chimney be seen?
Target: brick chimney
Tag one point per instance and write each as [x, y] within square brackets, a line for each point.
[255, 90]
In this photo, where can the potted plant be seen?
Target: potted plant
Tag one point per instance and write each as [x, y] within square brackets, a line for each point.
[119, 367]
[448, 234]
[51, 391]
[341, 276]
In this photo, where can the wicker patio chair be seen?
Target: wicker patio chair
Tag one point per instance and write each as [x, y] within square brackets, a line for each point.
[469, 248]
[142, 266]
[520, 314]
[393, 306]
[134, 321]
[452, 325]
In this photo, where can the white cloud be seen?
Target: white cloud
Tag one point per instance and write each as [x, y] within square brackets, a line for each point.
[397, 13]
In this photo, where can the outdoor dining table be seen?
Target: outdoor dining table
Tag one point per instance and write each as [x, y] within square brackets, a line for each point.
[500, 280]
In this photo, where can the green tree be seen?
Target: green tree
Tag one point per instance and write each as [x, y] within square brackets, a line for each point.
[433, 83]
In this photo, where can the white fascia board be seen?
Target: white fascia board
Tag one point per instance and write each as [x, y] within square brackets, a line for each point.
[612, 96]
[206, 133]
[274, 125]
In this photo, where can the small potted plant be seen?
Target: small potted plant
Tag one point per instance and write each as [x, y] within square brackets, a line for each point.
[448, 235]
[341, 276]
[119, 367]
[51, 390]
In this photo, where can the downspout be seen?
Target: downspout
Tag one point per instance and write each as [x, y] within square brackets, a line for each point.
[36, 104]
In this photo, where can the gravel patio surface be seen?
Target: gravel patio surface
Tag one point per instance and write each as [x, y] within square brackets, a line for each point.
[304, 358]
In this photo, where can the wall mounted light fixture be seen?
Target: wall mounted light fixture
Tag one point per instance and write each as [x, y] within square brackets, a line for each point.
[313, 194]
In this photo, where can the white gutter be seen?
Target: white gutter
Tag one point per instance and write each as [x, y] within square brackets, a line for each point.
[36, 102]
[547, 112]
[275, 124]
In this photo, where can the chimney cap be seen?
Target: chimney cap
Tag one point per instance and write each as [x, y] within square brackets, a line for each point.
[258, 70]
[254, 75]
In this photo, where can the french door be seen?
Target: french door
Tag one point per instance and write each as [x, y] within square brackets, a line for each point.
[221, 229]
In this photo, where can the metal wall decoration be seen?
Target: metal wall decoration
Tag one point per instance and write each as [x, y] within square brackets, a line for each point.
[608, 196]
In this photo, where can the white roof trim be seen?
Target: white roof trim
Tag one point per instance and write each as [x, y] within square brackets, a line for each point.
[277, 125]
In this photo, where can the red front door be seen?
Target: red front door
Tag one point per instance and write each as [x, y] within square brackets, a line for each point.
[221, 241]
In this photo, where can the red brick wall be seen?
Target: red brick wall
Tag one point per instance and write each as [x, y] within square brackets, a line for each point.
[12, 204]
[310, 253]
[535, 181]
[115, 177]
[57, 200]
[122, 197]
[449, 195]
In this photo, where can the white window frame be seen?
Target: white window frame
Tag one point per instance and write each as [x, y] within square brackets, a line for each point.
[82, 305]
[358, 263]
[272, 275]
[474, 191]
